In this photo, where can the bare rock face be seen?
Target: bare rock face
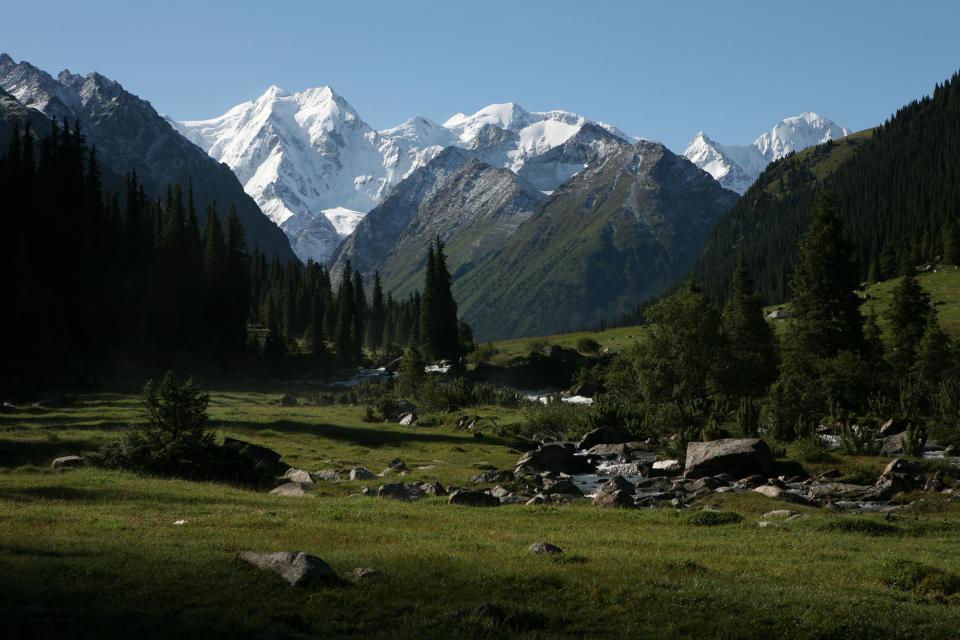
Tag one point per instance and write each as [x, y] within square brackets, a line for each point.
[737, 456]
[298, 568]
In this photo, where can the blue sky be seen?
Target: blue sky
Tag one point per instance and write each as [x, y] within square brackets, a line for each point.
[661, 70]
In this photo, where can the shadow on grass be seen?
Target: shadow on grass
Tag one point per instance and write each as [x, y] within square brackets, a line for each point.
[80, 423]
[370, 437]
[16, 453]
[75, 494]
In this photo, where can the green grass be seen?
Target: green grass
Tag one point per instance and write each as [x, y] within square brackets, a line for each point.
[615, 340]
[92, 553]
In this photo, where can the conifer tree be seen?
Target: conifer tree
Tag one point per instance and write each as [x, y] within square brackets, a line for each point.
[935, 355]
[909, 315]
[343, 334]
[751, 362]
[375, 323]
[430, 309]
[411, 374]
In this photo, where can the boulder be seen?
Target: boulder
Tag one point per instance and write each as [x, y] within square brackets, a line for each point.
[890, 484]
[433, 489]
[564, 486]
[268, 457]
[611, 451]
[738, 456]
[291, 489]
[892, 445]
[840, 491]
[617, 483]
[66, 462]
[604, 435]
[298, 475]
[618, 500]
[298, 568]
[556, 457]
[468, 498]
[328, 475]
[361, 473]
[8, 407]
[769, 490]
[408, 419]
[902, 466]
[666, 468]
[545, 549]
[400, 491]
[778, 514]
[364, 573]
[493, 476]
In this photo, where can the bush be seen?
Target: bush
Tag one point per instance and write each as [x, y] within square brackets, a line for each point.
[483, 353]
[921, 579]
[714, 518]
[176, 441]
[865, 526]
[914, 440]
[588, 345]
[556, 420]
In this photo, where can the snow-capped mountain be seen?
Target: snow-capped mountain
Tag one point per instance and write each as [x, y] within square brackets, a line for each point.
[315, 167]
[737, 167]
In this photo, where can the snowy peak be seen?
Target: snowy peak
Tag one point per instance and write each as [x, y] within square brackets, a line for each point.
[737, 167]
[308, 157]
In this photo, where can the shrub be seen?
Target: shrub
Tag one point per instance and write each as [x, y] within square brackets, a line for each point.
[914, 440]
[588, 345]
[714, 518]
[556, 419]
[865, 526]
[176, 441]
[921, 579]
[537, 346]
[811, 451]
[858, 440]
[483, 353]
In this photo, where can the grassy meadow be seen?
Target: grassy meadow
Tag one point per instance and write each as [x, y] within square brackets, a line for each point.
[93, 553]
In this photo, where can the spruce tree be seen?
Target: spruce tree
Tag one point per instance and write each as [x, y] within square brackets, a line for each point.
[411, 374]
[751, 362]
[343, 334]
[429, 319]
[909, 314]
[375, 323]
[935, 356]
[449, 335]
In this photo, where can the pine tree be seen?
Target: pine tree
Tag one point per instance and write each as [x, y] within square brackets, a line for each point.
[411, 375]
[751, 362]
[375, 324]
[359, 315]
[909, 314]
[935, 355]
[449, 340]
[343, 334]
[430, 310]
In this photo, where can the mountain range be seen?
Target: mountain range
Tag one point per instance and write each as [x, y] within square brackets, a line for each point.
[737, 167]
[315, 167]
[130, 135]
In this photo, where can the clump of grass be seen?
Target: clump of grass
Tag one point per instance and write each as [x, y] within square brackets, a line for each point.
[684, 566]
[714, 518]
[811, 451]
[569, 559]
[922, 580]
[859, 473]
[866, 526]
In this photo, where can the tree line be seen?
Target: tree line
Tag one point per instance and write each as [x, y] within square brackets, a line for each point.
[898, 193]
[94, 276]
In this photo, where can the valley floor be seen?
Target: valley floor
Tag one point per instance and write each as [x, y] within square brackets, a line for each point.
[92, 553]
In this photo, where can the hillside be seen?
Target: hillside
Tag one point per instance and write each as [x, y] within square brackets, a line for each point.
[899, 192]
[617, 233]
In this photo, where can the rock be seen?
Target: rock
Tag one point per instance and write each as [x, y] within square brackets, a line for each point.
[364, 573]
[493, 476]
[902, 466]
[564, 486]
[752, 481]
[397, 465]
[66, 462]
[267, 457]
[468, 498]
[763, 524]
[665, 468]
[617, 499]
[778, 514]
[537, 499]
[545, 549]
[556, 457]
[500, 492]
[611, 451]
[892, 427]
[604, 435]
[739, 456]
[328, 475]
[291, 489]
[361, 473]
[617, 483]
[840, 491]
[8, 407]
[287, 400]
[298, 475]
[769, 490]
[933, 483]
[892, 445]
[408, 419]
[433, 489]
[890, 484]
[299, 569]
[400, 491]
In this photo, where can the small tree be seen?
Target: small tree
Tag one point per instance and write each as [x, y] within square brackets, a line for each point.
[411, 373]
[909, 314]
[177, 410]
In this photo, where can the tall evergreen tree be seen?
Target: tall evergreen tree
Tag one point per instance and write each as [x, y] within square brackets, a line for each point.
[909, 314]
[343, 334]
[377, 316]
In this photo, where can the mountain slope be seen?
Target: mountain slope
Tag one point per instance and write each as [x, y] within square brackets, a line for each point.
[130, 135]
[306, 156]
[737, 167]
[617, 233]
[899, 194]
[472, 206]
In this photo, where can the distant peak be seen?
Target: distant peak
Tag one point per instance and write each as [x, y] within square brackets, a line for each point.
[6, 59]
